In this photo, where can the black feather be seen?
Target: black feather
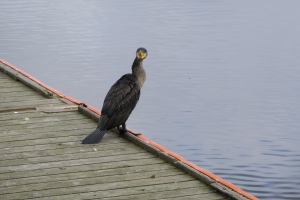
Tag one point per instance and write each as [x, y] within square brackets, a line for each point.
[94, 137]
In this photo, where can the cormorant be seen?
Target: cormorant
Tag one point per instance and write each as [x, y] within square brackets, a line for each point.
[120, 100]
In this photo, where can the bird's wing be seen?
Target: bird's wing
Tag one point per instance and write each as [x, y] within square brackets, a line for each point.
[120, 101]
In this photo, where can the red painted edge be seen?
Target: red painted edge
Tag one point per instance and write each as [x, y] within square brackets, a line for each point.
[140, 136]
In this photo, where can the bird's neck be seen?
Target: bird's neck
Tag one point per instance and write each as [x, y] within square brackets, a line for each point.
[139, 71]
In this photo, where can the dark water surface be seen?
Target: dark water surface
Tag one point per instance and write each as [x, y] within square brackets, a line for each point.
[223, 78]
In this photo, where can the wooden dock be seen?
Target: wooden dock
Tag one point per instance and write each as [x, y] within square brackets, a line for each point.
[42, 156]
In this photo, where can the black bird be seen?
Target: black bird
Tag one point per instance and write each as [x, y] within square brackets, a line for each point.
[120, 100]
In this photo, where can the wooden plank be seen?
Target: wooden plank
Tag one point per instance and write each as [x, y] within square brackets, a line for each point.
[183, 192]
[33, 114]
[96, 184]
[28, 94]
[209, 196]
[6, 79]
[61, 151]
[145, 192]
[57, 109]
[45, 180]
[68, 156]
[7, 99]
[11, 178]
[30, 119]
[105, 145]
[56, 131]
[127, 192]
[46, 125]
[31, 104]
[68, 162]
[53, 184]
[4, 90]
[71, 123]
[60, 140]
[15, 84]
[4, 76]
[7, 82]
[81, 131]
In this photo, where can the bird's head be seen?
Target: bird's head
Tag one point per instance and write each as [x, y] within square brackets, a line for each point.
[141, 53]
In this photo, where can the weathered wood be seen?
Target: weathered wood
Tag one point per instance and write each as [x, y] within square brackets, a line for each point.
[98, 184]
[12, 178]
[180, 193]
[113, 144]
[29, 119]
[9, 132]
[121, 147]
[226, 191]
[8, 84]
[52, 184]
[69, 156]
[30, 104]
[5, 77]
[73, 123]
[13, 95]
[150, 169]
[27, 81]
[8, 99]
[41, 155]
[210, 196]
[126, 193]
[88, 113]
[67, 162]
[99, 176]
[32, 114]
[4, 90]
[56, 109]
[82, 131]
[60, 140]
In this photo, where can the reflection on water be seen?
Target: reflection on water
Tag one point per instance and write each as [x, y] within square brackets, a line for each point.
[223, 80]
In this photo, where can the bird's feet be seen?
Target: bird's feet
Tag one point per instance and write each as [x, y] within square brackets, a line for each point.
[122, 129]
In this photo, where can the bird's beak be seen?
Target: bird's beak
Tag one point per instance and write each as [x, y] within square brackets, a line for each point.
[141, 54]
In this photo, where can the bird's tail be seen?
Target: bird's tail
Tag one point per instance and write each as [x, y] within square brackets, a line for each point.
[94, 137]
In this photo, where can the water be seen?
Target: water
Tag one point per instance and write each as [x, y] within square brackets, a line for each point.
[223, 78]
